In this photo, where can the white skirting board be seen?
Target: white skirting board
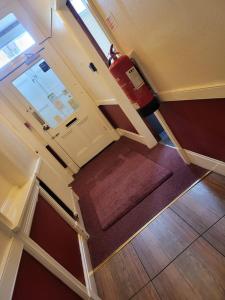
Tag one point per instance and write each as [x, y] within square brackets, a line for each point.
[203, 92]
[206, 162]
[131, 135]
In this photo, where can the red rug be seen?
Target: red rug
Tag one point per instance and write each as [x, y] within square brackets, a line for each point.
[128, 182]
[102, 243]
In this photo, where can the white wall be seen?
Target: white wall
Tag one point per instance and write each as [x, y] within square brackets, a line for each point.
[180, 44]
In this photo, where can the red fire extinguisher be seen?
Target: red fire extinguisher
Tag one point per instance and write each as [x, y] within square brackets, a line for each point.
[127, 76]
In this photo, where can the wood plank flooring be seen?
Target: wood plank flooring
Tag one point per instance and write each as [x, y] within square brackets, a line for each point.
[122, 277]
[180, 255]
[216, 235]
[148, 292]
[159, 243]
[202, 207]
[198, 273]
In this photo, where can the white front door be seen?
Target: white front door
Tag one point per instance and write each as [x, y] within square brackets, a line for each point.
[57, 103]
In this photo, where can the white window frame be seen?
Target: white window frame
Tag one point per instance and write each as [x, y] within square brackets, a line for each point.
[23, 17]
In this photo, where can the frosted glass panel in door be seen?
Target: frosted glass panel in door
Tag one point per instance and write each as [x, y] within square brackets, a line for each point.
[46, 93]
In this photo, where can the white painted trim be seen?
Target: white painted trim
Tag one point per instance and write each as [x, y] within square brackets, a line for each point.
[86, 292]
[92, 5]
[13, 209]
[206, 162]
[67, 218]
[10, 270]
[28, 218]
[54, 267]
[111, 101]
[16, 121]
[6, 229]
[113, 86]
[131, 135]
[212, 91]
[58, 4]
[77, 209]
[20, 107]
[87, 267]
[170, 134]
[138, 123]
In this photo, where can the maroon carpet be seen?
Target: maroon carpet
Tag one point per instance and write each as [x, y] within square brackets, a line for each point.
[103, 242]
[116, 190]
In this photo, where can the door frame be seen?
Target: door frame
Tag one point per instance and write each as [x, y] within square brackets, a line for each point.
[11, 6]
[22, 106]
[62, 12]
[9, 91]
[26, 20]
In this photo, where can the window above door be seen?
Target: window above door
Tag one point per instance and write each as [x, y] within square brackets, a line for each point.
[91, 27]
[14, 39]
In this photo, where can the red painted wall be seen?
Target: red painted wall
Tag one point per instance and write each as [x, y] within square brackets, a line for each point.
[117, 117]
[199, 125]
[34, 282]
[57, 238]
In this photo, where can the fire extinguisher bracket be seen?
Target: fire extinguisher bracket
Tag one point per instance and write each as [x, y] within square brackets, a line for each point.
[149, 108]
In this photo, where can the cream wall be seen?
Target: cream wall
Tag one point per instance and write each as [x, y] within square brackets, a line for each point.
[76, 51]
[17, 122]
[55, 177]
[180, 44]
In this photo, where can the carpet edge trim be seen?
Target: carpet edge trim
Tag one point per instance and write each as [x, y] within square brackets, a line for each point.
[150, 221]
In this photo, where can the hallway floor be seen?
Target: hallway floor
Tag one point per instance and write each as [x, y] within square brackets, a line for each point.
[114, 175]
[179, 255]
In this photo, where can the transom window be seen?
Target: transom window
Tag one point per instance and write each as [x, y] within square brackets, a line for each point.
[91, 27]
[14, 39]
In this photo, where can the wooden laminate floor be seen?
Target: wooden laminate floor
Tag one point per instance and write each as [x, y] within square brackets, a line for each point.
[180, 255]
